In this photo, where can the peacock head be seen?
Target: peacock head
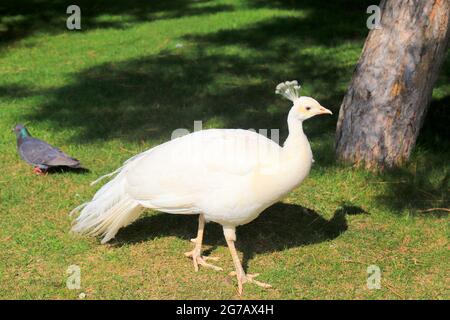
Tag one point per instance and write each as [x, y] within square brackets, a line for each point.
[304, 107]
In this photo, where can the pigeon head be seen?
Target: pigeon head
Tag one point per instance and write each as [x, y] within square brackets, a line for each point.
[20, 131]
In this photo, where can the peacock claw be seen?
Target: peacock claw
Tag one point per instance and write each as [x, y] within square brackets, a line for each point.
[249, 277]
[198, 259]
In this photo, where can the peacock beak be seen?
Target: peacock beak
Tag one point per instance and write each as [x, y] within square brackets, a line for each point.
[323, 110]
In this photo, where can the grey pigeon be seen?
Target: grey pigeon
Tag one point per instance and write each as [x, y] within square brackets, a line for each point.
[40, 154]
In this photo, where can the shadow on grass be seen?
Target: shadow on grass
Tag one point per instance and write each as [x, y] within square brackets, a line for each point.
[147, 98]
[22, 18]
[15, 91]
[423, 183]
[435, 133]
[279, 227]
[210, 80]
[56, 170]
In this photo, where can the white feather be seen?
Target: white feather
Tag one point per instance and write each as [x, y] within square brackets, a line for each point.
[230, 176]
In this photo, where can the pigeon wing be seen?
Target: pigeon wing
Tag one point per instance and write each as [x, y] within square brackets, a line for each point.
[38, 152]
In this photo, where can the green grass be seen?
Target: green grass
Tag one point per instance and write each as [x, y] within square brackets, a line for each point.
[122, 85]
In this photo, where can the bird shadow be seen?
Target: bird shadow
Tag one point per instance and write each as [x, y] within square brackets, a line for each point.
[279, 227]
[60, 170]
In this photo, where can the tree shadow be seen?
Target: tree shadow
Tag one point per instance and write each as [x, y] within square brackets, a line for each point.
[424, 182]
[14, 91]
[209, 80]
[435, 131]
[279, 227]
[325, 23]
[150, 97]
[139, 98]
[22, 18]
[136, 99]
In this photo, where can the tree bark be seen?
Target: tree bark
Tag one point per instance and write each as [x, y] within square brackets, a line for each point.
[391, 88]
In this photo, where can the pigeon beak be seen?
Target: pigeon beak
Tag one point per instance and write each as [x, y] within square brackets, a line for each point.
[323, 110]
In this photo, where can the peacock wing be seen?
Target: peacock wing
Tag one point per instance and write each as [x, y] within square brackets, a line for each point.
[177, 174]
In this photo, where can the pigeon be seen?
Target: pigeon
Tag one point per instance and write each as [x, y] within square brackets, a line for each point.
[40, 154]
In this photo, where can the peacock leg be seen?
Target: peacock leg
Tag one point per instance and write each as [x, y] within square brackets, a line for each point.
[196, 254]
[242, 277]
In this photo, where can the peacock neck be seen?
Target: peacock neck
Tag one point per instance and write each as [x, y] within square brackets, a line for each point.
[294, 163]
[296, 142]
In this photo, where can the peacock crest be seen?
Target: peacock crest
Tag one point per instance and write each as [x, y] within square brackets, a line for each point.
[289, 89]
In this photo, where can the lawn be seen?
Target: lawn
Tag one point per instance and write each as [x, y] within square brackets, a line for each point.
[139, 70]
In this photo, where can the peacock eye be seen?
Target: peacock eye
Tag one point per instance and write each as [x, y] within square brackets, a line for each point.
[308, 108]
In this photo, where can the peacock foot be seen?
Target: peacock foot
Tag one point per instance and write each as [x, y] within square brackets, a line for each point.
[198, 259]
[248, 277]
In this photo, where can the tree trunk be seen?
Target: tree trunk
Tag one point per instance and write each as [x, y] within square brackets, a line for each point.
[391, 87]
